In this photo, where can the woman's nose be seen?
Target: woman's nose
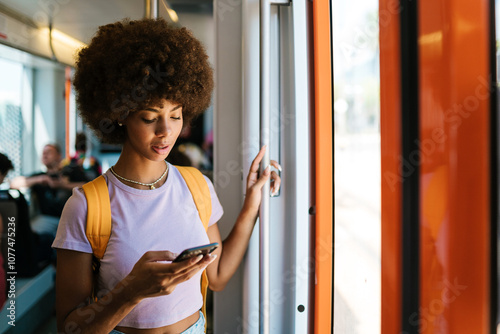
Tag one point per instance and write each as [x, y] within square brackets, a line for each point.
[163, 128]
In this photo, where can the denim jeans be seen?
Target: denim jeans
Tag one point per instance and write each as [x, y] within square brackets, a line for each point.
[197, 328]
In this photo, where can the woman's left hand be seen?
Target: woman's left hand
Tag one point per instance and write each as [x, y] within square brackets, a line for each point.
[255, 183]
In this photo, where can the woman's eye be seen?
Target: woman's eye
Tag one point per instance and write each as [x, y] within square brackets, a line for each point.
[148, 121]
[177, 118]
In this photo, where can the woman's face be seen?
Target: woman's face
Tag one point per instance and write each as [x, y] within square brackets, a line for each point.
[152, 132]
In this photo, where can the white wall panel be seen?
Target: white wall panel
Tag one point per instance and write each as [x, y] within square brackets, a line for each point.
[227, 157]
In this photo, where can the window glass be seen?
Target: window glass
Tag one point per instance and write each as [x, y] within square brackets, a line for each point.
[11, 120]
[357, 280]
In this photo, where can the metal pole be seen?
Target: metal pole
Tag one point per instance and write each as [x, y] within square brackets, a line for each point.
[147, 8]
[151, 9]
[265, 87]
[154, 9]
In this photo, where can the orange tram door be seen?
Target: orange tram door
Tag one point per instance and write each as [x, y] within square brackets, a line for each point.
[439, 166]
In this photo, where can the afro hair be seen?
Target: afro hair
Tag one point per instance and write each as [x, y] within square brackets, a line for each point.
[132, 65]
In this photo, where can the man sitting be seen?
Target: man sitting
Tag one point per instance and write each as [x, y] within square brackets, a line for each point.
[50, 189]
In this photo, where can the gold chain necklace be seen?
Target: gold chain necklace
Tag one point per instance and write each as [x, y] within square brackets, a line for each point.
[150, 185]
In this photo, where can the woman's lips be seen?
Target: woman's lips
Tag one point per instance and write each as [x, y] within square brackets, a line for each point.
[161, 149]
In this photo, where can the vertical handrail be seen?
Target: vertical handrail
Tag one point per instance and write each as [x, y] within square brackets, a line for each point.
[265, 123]
[265, 111]
[155, 9]
[151, 9]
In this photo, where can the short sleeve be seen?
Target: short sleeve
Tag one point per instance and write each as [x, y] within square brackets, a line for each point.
[71, 230]
[217, 210]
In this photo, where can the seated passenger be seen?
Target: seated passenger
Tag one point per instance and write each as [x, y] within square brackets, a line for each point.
[5, 167]
[52, 188]
[32, 250]
[81, 160]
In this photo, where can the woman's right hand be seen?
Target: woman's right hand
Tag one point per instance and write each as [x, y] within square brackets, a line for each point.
[151, 276]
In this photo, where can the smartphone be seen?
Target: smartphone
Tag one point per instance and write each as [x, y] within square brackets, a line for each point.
[195, 251]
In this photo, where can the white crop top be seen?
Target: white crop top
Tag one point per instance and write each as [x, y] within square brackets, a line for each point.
[165, 218]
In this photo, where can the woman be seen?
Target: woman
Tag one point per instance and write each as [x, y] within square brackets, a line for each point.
[138, 83]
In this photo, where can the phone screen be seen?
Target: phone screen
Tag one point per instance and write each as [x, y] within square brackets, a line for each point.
[195, 251]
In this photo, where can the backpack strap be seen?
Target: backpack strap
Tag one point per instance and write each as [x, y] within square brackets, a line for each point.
[201, 194]
[98, 215]
[98, 223]
[199, 190]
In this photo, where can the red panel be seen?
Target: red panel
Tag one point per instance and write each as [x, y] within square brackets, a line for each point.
[390, 124]
[454, 180]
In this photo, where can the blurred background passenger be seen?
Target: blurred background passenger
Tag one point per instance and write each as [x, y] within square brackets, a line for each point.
[190, 154]
[50, 189]
[178, 158]
[208, 147]
[82, 160]
[5, 166]
[32, 250]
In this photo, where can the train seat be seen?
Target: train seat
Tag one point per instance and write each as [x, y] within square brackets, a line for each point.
[33, 302]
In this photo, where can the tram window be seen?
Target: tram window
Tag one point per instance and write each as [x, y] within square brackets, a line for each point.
[357, 272]
[30, 108]
[11, 121]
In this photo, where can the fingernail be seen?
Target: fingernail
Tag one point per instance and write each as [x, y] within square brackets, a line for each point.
[267, 170]
[279, 168]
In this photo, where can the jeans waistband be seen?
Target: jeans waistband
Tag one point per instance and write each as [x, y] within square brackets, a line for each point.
[197, 328]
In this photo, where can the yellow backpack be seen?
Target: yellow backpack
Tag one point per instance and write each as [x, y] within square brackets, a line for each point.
[99, 215]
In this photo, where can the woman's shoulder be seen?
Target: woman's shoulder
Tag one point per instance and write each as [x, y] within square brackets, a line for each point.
[72, 225]
[77, 202]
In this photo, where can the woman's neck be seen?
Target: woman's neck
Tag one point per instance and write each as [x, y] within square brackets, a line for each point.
[144, 171]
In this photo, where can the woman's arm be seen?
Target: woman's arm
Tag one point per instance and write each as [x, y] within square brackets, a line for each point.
[148, 278]
[235, 245]
[230, 252]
